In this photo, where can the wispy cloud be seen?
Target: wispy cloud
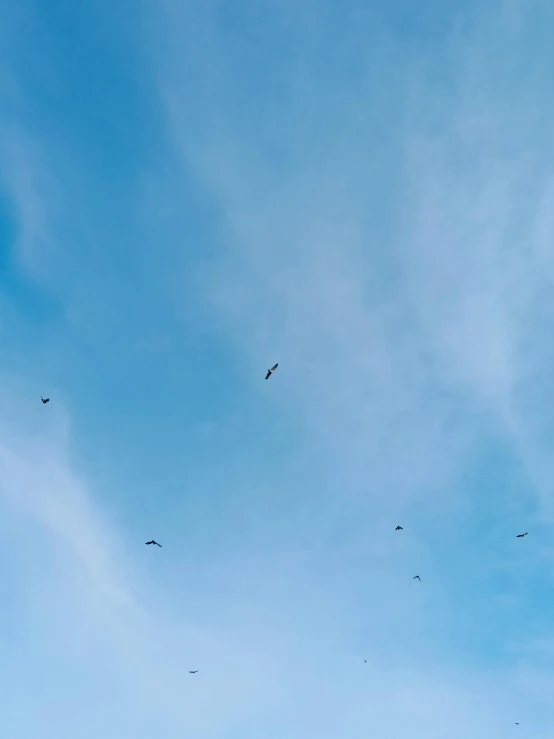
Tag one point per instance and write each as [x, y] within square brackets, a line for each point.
[89, 605]
[371, 208]
[32, 190]
[315, 269]
[88, 612]
[406, 295]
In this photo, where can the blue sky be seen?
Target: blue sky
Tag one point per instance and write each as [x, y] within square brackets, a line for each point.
[364, 193]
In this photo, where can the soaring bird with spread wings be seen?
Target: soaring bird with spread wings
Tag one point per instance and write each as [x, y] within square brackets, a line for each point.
[45, 400]
[193, 672]
[153, 542]
[399, 528]
[520, 536]
[417, 577]
[271, 371]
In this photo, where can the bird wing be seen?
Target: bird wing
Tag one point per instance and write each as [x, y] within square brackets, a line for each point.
[268, 375]
[274, 367]
[149, 542]
[157, 544]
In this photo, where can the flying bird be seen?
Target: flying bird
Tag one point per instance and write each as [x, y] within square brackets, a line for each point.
[365, 661]
[193, 672]
[271, 371]
[153, 542]
[399, 528]
[417, 577]
[45, 400]
[520, 536]
[517, 723]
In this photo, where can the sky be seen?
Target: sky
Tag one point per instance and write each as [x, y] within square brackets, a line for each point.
[191, 191]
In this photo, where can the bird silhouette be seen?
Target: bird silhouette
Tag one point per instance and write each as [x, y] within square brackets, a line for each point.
[45, 400]
[417, 577]
[271, 371]
[153, 542]
[520, 536]
[193, 672]
[399, 528]
[365, 661]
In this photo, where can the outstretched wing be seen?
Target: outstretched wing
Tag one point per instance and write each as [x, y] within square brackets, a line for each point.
[268, 375]
[149, 542]
[274, 367]
[157, 544]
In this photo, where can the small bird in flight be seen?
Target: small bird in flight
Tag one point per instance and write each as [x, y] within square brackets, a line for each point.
[399, 528]
[417, 577]
[193, 672]
[517, 723]
[45, 400]
[271, 371]
[520, 536]
[153, 542]
[365, 661]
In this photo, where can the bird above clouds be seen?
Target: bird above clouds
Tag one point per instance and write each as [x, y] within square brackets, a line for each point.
[271, 371]
[45, 400]
[153, 542]
[399, 528]
[520, 536]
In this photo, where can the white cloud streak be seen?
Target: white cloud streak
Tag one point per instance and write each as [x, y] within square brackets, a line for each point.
[417, 333]
[407, 334]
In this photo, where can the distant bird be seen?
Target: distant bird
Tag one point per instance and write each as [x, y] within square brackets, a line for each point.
[153, 542]
[271, 371]
[399, 528]
[520, 536]
[193, 672]
[517, 723]
[365, 661]
[417, 577]
[45, 400]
